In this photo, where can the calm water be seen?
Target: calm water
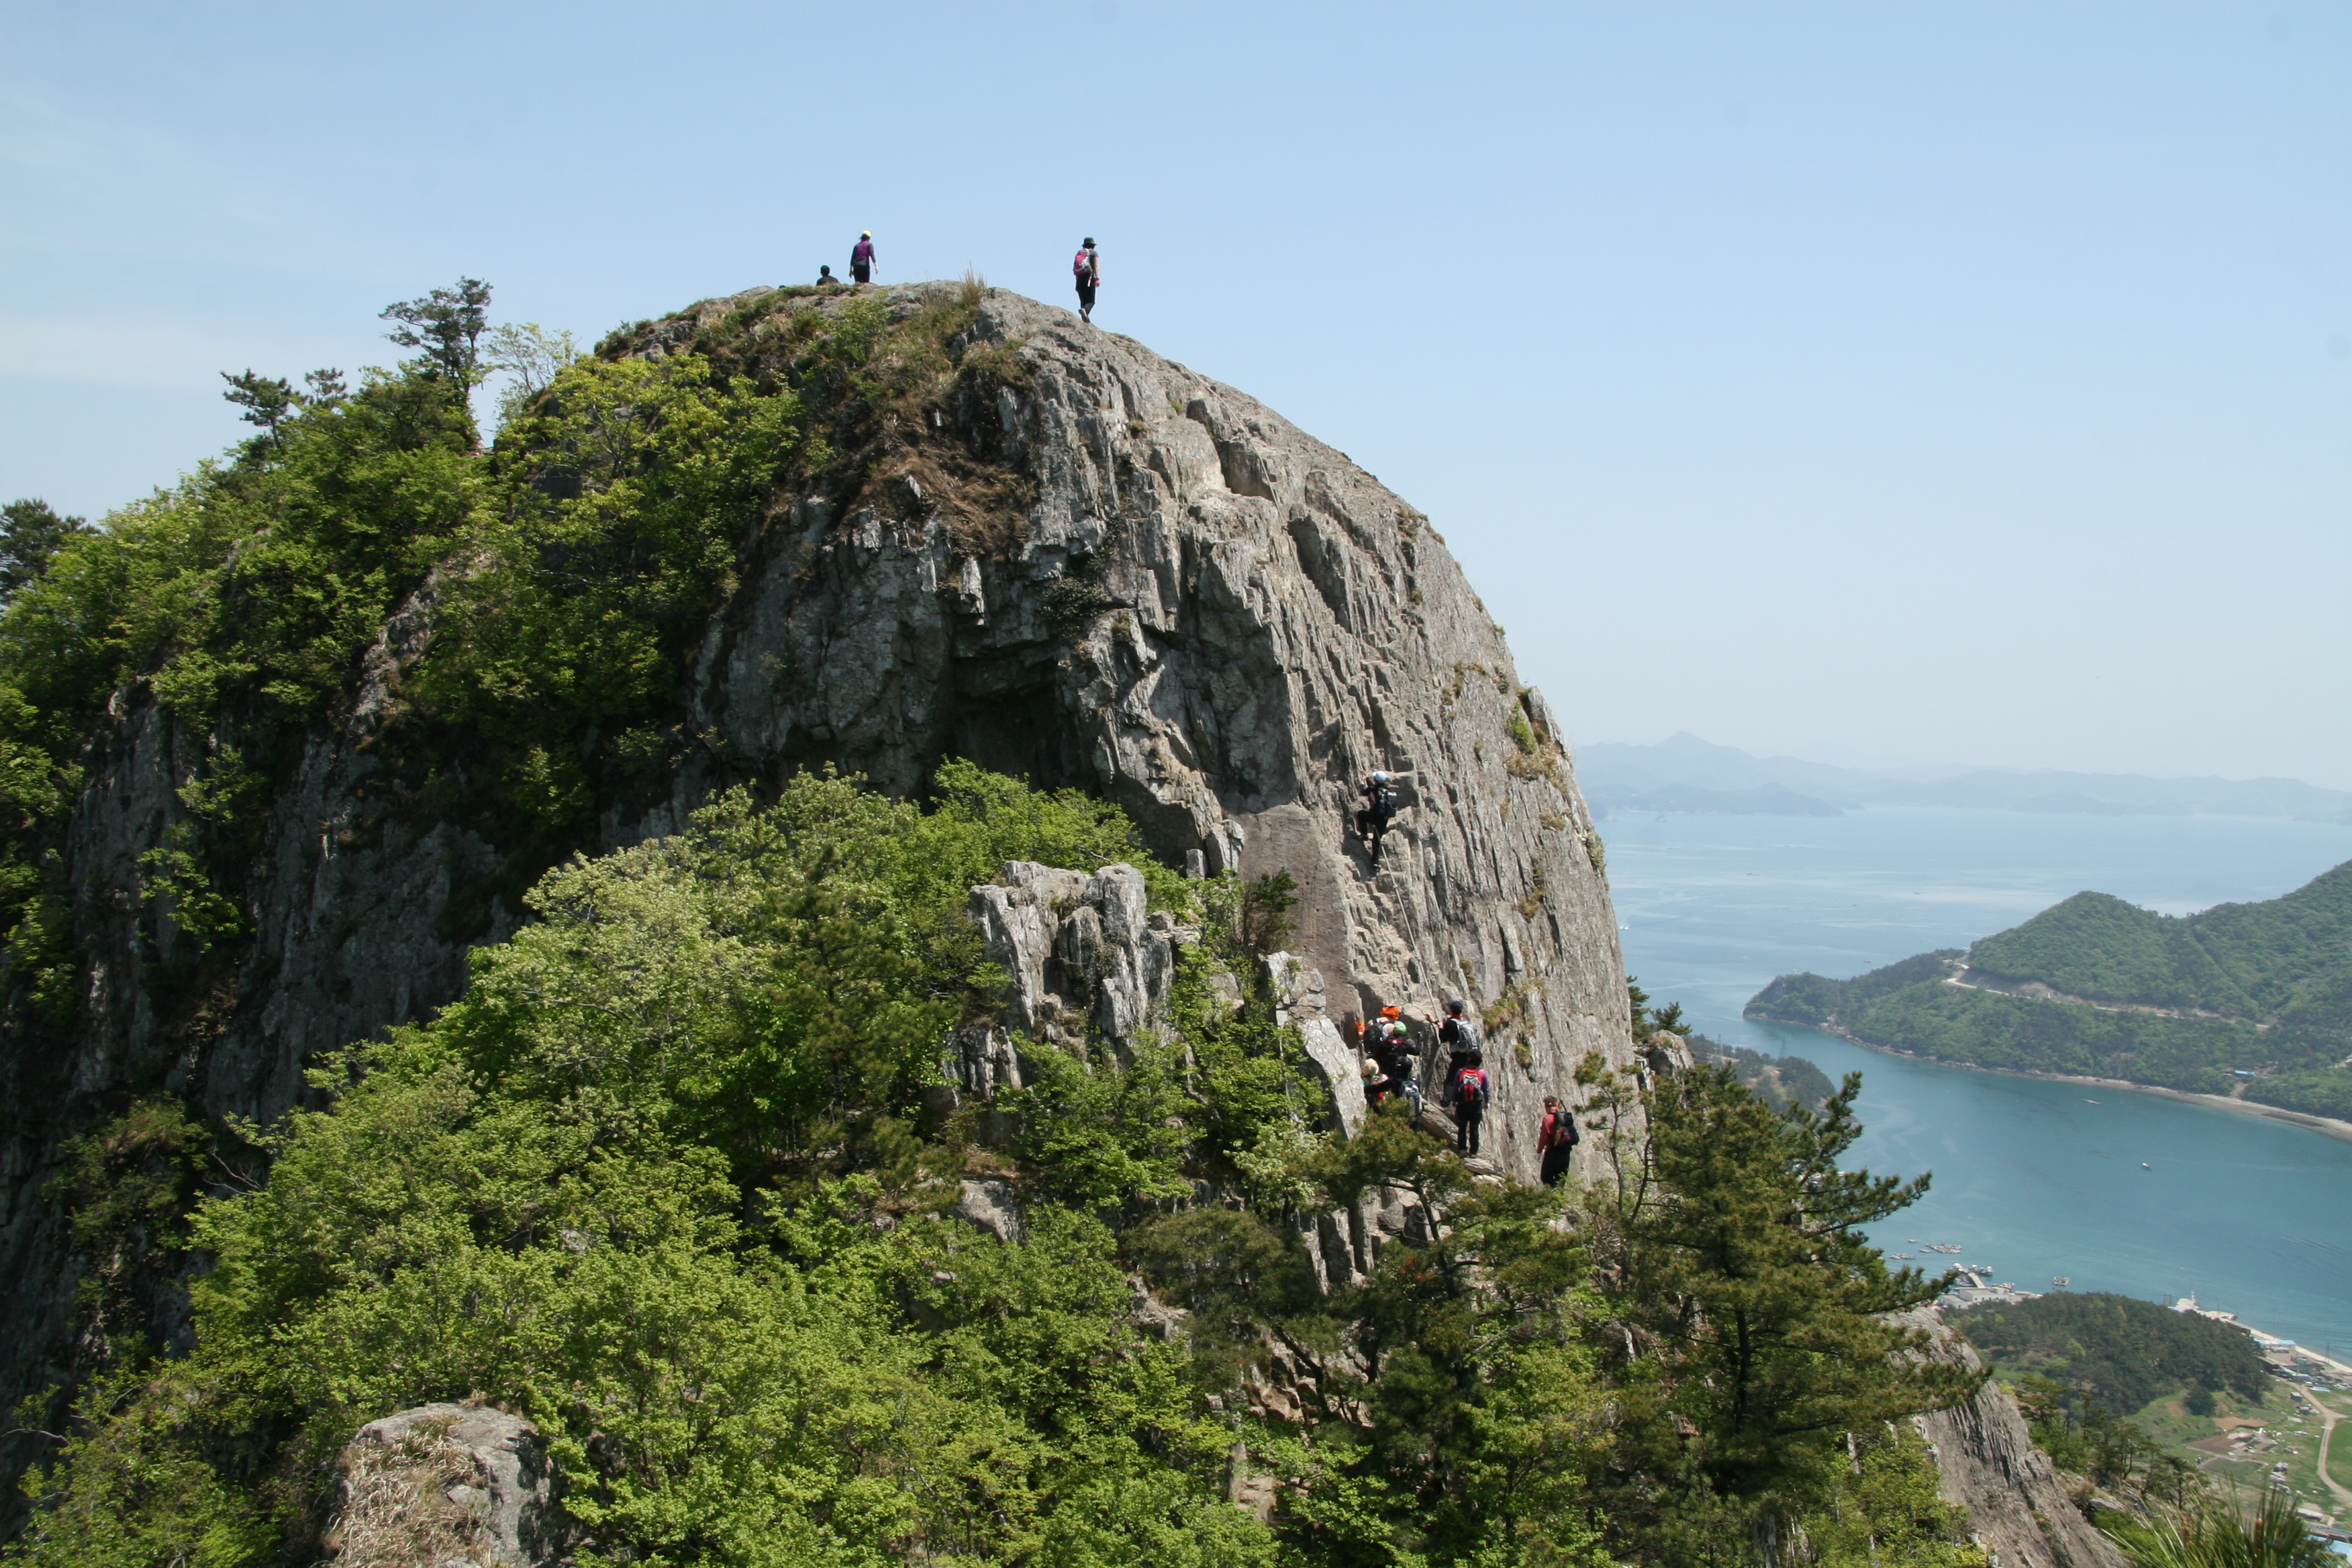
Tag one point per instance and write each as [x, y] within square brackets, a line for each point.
[2254, 1216]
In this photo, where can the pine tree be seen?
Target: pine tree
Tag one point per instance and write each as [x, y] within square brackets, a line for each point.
[1752, 1313]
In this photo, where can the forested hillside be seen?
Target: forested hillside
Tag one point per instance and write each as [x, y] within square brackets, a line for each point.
[2119, 1349]
[677, 1181]
[2098, 987]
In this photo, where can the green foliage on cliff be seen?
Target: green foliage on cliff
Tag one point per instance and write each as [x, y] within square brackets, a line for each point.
[675, 1179]
[2120, 1351]
[565, 578]
[2265, 987]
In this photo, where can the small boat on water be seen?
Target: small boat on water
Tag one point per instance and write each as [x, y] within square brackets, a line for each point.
[2145, 1166]
[1902, 1255]
[2059, 1279]
[2090, 1102]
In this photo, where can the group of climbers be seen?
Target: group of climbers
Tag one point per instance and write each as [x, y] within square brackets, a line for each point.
[1391, 1065]
[1086, 267]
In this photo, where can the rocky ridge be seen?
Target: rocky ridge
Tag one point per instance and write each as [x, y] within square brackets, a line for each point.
[1188, 606]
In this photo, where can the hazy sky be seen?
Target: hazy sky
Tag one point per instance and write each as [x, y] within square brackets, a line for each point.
[1967, 381]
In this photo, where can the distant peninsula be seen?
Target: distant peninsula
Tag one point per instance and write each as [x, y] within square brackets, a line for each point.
[2249, 1000]
[1684, 775]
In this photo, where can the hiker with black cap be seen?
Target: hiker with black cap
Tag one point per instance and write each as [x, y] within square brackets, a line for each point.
[861, 258]
[1087, 267]
[1556, 1141]
[1460, 1034]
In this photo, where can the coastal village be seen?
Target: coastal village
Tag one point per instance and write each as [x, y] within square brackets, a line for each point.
[2287, 1442]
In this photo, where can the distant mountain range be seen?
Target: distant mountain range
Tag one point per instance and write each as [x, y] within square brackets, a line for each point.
[1684, 773]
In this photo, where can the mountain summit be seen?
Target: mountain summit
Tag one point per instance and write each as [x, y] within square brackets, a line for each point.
[780, 531]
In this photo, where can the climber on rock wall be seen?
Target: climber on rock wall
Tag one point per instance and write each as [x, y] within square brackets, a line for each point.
[861, 258]
[1379, 810]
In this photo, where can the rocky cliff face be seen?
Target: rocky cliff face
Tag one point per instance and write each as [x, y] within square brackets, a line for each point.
[1222, 624]
[1178, 600]
[1990, 1465]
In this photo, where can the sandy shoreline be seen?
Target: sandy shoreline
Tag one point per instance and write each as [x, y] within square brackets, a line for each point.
[2325, 1126]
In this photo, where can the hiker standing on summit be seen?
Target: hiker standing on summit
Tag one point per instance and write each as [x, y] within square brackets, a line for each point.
[861, 258]
[1086, 267]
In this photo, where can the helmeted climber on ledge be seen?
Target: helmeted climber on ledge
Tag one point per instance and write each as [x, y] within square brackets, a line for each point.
[1387, 1042]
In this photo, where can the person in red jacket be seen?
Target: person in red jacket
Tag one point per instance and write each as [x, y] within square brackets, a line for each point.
[1557, 1141]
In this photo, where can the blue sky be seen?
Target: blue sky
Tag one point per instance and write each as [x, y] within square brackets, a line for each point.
[1867, 381]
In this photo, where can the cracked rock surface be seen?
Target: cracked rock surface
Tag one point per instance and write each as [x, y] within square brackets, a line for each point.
[1988, 1463]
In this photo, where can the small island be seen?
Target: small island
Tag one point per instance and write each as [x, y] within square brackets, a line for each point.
[2250, 1001]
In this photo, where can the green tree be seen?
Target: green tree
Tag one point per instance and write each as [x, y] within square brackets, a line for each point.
[1751, 1316]
[532, 356]
[267, 402]
[448, 325]
[31, 534]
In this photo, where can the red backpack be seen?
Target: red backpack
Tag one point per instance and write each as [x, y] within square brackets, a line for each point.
[1470, 1089]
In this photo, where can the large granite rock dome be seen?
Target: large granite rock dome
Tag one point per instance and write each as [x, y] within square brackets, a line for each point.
[1223, 624]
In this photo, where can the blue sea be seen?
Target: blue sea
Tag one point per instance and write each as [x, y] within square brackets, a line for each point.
[2035, 1179]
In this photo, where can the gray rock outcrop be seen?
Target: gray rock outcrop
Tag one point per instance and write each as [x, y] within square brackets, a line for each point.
[1191, 608]
[1990, 1465]
[447, 1486]
[1080, 951]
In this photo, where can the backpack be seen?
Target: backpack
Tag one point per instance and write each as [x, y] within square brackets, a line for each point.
[1470, 1089]
[1466, 1035]
[1083, 268]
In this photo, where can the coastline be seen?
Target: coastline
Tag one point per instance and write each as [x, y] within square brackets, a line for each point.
[2325, 1126]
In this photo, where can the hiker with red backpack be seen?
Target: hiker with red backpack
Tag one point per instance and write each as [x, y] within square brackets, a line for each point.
[1471, 1092]
[1556, 1139]
[1086, 267]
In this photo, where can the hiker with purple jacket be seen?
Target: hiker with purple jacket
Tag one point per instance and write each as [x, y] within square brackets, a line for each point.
[861, 258]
